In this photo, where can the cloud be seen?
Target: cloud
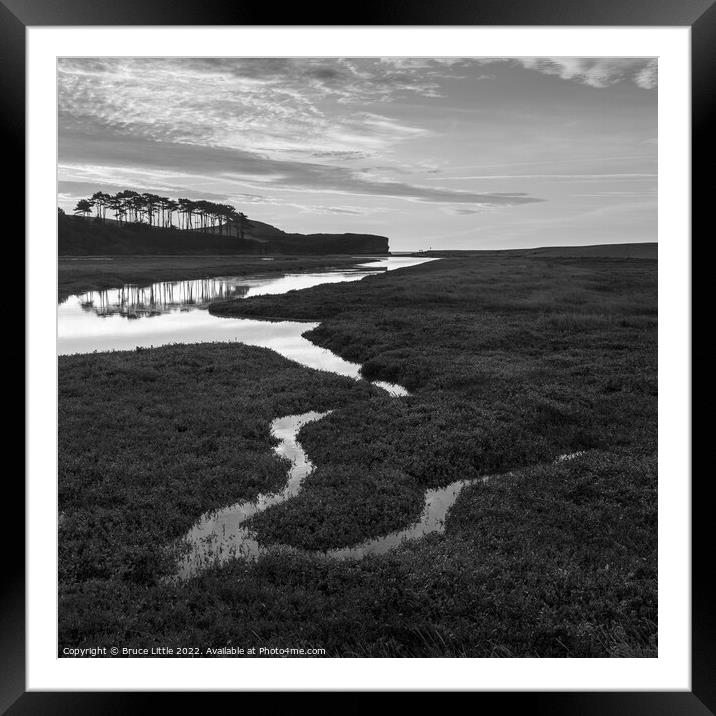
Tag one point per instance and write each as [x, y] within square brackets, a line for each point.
[647, 77]
[282, 107]
[569, 177]
[597, 72]
[264, 124]
[277, 106]
[332, 210]
[77, 189]
[238, 165]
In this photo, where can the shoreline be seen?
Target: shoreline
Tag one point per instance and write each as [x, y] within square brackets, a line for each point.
[77, 275]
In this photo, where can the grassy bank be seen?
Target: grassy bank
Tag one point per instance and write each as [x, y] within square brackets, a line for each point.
[93, 273]
[513, 361]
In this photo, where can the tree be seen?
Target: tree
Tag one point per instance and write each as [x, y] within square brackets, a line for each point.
[171, 206]
[186, 207]
[152, 204]
[101, 201]
[242, 222]
[117, 206]
[126, 198]
[84, 206]
[129, 205]
[227, 212]
[138, 207]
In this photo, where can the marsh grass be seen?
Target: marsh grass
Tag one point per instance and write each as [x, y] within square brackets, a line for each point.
[512, 361]
[152, 439]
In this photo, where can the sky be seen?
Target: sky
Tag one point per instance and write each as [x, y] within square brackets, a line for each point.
[442, 153]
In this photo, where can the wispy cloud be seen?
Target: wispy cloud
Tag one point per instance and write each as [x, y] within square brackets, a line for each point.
[273, 106]
[569, 177]
[597, 72]
[250, 166]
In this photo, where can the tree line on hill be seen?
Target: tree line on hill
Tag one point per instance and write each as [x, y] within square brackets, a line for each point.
[132, 207]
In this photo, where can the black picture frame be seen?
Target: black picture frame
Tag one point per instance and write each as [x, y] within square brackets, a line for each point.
[699, 15]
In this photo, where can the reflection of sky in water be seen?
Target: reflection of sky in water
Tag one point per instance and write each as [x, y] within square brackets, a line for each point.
[170, 312]
[175, 312]
[391, 263]
[142, 301]
[118, 333]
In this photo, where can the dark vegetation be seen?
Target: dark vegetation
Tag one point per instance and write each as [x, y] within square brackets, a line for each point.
[93, 273]
[152, 439]
[131, 207]
[343, 503]
[645, 250]
[80, 236]
[513, 361]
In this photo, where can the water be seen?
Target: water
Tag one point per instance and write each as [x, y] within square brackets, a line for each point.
[390, 263]
[175, 312]
[220, 535]
[437, 504]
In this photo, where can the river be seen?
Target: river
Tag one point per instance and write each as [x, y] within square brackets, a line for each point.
[176, 312]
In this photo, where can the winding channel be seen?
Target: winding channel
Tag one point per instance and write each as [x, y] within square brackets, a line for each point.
[174, 312]
[221, 535]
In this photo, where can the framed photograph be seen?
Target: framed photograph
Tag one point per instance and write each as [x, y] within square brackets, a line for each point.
[367, 354]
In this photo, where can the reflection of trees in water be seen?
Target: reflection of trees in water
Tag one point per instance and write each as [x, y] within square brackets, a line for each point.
[136, 302]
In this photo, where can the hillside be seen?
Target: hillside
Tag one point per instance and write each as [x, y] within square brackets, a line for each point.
[647, 250]
[78, 236]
